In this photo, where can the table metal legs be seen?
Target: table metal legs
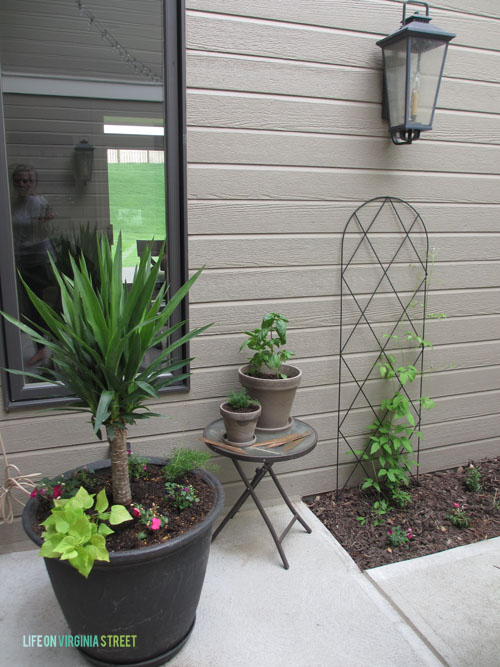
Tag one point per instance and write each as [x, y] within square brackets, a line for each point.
[250, 491]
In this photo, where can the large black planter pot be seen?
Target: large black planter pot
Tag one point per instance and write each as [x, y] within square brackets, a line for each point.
[152, 592]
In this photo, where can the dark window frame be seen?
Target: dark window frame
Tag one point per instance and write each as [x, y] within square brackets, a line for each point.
[18, 394]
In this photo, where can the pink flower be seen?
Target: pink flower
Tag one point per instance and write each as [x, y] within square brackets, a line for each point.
[389, 531]
[57, 491]
[155, 523]
[33, 493]
[129, 452]
[186, 489]
[42, 492]
[144, 467]
[136, 512]
[457, 505]
[410, 534]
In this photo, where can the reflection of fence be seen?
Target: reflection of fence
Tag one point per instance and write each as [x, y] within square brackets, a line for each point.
[122, 155]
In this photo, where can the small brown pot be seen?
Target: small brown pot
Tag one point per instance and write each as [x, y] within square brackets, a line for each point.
[276, 396]
[240, 426]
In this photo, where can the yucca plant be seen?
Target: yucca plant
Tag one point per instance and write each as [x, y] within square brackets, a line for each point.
[99, 342]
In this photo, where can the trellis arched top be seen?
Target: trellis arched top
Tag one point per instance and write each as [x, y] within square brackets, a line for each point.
[384, 272]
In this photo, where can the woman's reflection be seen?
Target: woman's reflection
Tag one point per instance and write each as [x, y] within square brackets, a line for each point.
[30, 216]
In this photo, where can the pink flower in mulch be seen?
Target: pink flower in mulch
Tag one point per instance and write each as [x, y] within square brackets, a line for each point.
[42, 492]
[155, 523]
[186, 489]
[57, 491]
[457, 505]
[410, 534]
[33, 493]
[144, 467]
[136, 512]
[389, 531]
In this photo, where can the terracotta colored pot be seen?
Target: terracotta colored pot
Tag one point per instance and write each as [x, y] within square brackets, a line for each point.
[240, 426]
[276, 396]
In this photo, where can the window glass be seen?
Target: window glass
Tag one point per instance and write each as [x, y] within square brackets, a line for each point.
[83, 107]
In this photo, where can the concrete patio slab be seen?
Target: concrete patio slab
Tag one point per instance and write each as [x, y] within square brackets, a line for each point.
[452, 598]
[322, 611]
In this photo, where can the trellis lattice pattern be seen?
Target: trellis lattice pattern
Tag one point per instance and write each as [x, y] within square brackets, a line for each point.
[384, 280]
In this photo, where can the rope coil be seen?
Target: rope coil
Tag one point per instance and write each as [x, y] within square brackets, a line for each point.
[11, 483]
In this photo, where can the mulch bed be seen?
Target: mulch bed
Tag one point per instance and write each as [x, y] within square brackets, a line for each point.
[431, 501]
[147, 492]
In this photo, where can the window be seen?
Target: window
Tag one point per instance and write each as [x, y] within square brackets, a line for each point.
[92, 128]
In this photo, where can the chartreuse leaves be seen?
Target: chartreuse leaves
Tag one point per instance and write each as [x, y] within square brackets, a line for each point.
[77, 533]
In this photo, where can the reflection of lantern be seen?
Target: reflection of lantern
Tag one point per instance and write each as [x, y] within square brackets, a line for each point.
[413, 65]
[83, 158]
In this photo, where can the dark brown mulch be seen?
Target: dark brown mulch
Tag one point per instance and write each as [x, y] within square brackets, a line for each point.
[147, 492]
[431, 500]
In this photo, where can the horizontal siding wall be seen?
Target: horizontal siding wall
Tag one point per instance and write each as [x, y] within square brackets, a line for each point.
[285, 140]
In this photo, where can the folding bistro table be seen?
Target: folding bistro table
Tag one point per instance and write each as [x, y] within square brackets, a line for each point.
[297, 440]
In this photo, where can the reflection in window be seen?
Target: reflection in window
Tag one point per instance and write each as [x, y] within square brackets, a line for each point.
[99, 86]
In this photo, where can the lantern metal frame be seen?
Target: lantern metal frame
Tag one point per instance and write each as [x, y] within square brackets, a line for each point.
[83, 161]
[417, 26]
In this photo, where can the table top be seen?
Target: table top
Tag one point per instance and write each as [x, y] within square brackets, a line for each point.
[291, 449]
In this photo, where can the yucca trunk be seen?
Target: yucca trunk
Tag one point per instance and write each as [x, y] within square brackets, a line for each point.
[122, 495]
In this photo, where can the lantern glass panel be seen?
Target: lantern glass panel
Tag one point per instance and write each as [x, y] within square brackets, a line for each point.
[426, 60]
[395, 80]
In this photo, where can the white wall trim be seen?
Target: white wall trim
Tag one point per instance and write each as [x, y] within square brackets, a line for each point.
[29, 84]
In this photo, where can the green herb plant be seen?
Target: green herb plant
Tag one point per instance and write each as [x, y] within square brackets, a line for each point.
[266, 343]
[76, 530]
[183, 461]
[240, 400]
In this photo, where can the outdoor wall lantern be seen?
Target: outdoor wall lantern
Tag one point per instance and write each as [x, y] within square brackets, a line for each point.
[414, 59]
[83, 159]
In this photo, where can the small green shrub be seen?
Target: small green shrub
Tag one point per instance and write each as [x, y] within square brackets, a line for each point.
[137, 467]
[182, 496]
[473, 480]
[183, 461]
[397, 537]
[241, 400]
[458, 517]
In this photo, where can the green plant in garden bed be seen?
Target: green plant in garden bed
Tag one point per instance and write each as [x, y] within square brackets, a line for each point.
[459, 517]
[397, 537]
[473, 480]
[266, 342]
[389, 452]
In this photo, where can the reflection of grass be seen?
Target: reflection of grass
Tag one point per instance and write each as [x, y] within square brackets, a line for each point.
[136, 204]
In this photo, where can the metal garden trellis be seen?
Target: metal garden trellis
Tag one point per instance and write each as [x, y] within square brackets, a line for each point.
[388, 251]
